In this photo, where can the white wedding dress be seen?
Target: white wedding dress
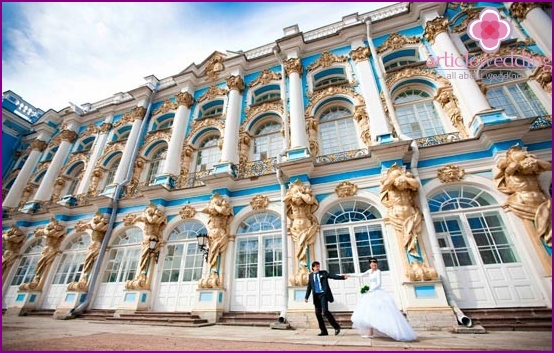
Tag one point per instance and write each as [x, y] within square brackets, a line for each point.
[378, 310]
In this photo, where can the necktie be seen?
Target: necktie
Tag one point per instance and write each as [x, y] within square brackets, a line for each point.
[317, 283]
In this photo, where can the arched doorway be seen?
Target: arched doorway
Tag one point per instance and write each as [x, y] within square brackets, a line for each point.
[121, 266]
[257, 283]
[484, 267]
[352, 233]
[181, 268]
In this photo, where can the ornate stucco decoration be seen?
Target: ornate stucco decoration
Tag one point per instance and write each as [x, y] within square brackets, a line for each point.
[89, 131]
[346, 189]
[97, 175]
[155, 221]
[38, 145]
[59, 183]
[98, 225]
[266, 76]
[77, 157]
[360, 54]
[419, 271]
[185, 98]
[220, 215]
[518, 176]
[245, 140]
[398, 192]
[26, 194]
[448, 101]
[301, 205]
[327, 59]
[262, 108]
[396, 41]
[414, 71]
[544, 78]
[131, 116]
[259, 202]
[471, 14]
[105, 127]
[312, 128]
[187, 212]
[235, 82]
[167, 106]
[450, 173]
[519, 10]
[362, 119]
[55, 141]
[461, 5]
[12, 241]
[132, 188]
[204, 123]
[53, 234]
[116, 146]
[156, 136]
[316, 97]
[186, 158]
[434, 27]
[293, 65]
[215, 66]
[212, 92]
[68, 135]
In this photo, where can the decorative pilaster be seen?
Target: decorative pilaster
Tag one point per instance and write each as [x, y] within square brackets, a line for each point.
[298, 137]
[13, 197]
[534, 20]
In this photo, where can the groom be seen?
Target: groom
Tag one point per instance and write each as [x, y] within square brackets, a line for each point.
[318, 282]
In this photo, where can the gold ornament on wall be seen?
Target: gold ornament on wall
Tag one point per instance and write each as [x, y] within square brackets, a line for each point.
[450, 173]
[187, 212]
[259, 202]
[346, 189]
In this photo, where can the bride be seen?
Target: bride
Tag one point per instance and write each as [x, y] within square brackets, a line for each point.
[377, 310]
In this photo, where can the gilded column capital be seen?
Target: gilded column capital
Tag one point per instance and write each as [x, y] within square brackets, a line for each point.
[235, 82]
[105, 127]
[185, 98]
[434, 27]
[360, 54]
[68, 135]
[134, 114]
[519, 10]
[293, 65]
[38, 145]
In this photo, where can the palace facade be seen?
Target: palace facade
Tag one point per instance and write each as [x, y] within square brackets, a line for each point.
[388, 134]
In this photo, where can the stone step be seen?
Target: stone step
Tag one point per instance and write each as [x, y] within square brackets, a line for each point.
[38, 312]
[137, 318]
[512, 319]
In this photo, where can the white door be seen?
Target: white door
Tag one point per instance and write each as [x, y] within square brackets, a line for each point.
[483, 265]
[24, 273]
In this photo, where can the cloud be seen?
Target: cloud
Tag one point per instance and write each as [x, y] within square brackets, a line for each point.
[86, 52]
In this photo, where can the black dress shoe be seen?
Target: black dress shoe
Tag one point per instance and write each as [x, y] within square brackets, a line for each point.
[337, 331]
[323, 334]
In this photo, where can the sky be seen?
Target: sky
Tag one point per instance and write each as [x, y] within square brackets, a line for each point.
[56, 53]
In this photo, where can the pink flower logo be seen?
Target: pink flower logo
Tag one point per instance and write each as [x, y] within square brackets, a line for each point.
[489, 30]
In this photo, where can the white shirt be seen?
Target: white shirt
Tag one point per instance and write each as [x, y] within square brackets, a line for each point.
[374, 278]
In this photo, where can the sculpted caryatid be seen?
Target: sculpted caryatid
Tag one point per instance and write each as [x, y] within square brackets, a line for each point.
[53, 234]
[99, 225]
[221, 215]
[12, 240]
[154, 220]
[301, 204]
[398, 190]
[517, 176]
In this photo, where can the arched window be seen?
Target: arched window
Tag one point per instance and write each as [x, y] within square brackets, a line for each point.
[28, 265]
[183, 260]
[157, 164]
[416, 114]
[268, 141]
[266, 94]
[400, 58]
[337, 132]
[352, 234]
[330, 77]
[508, 90]
[124, 256]
[112, 169]
[208, 154]
[211, 109]
[74, 179]
[71, 265]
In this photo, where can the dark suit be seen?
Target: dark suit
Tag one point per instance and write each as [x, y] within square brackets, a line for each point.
[322, 300]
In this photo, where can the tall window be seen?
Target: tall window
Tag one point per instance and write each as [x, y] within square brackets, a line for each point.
[112, 169]
[336, 131]
[156, 164]
[208, 154]
[124, 256]
[507, 90]
[268, 141]
[183, 260]
[71, 265]
[416, 114]
[74, 179]
[28, 265]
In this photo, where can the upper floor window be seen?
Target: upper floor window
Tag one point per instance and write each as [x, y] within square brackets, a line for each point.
[268, 141]
[112, 169]
[211, 109]
[266, 94]
[208, 154]
[330, 77]
[400, 58]
[470, 44]
[416, 114]
[508, 90]
[336, 130]
[75, 178]
[156, 164]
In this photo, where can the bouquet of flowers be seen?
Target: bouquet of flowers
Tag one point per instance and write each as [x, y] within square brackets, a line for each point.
[364, 289]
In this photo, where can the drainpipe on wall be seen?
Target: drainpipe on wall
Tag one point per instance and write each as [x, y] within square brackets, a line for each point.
[114, 205]
[283, 314]
[424, 206]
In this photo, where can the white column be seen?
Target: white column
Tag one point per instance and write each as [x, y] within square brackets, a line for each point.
[14, 194]
[298, 134]
[172, 163]
[378, 123]
[46, 186]
[229, 152]
[535, 21]
[463, 83]
[136, 116]
[99, 144]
